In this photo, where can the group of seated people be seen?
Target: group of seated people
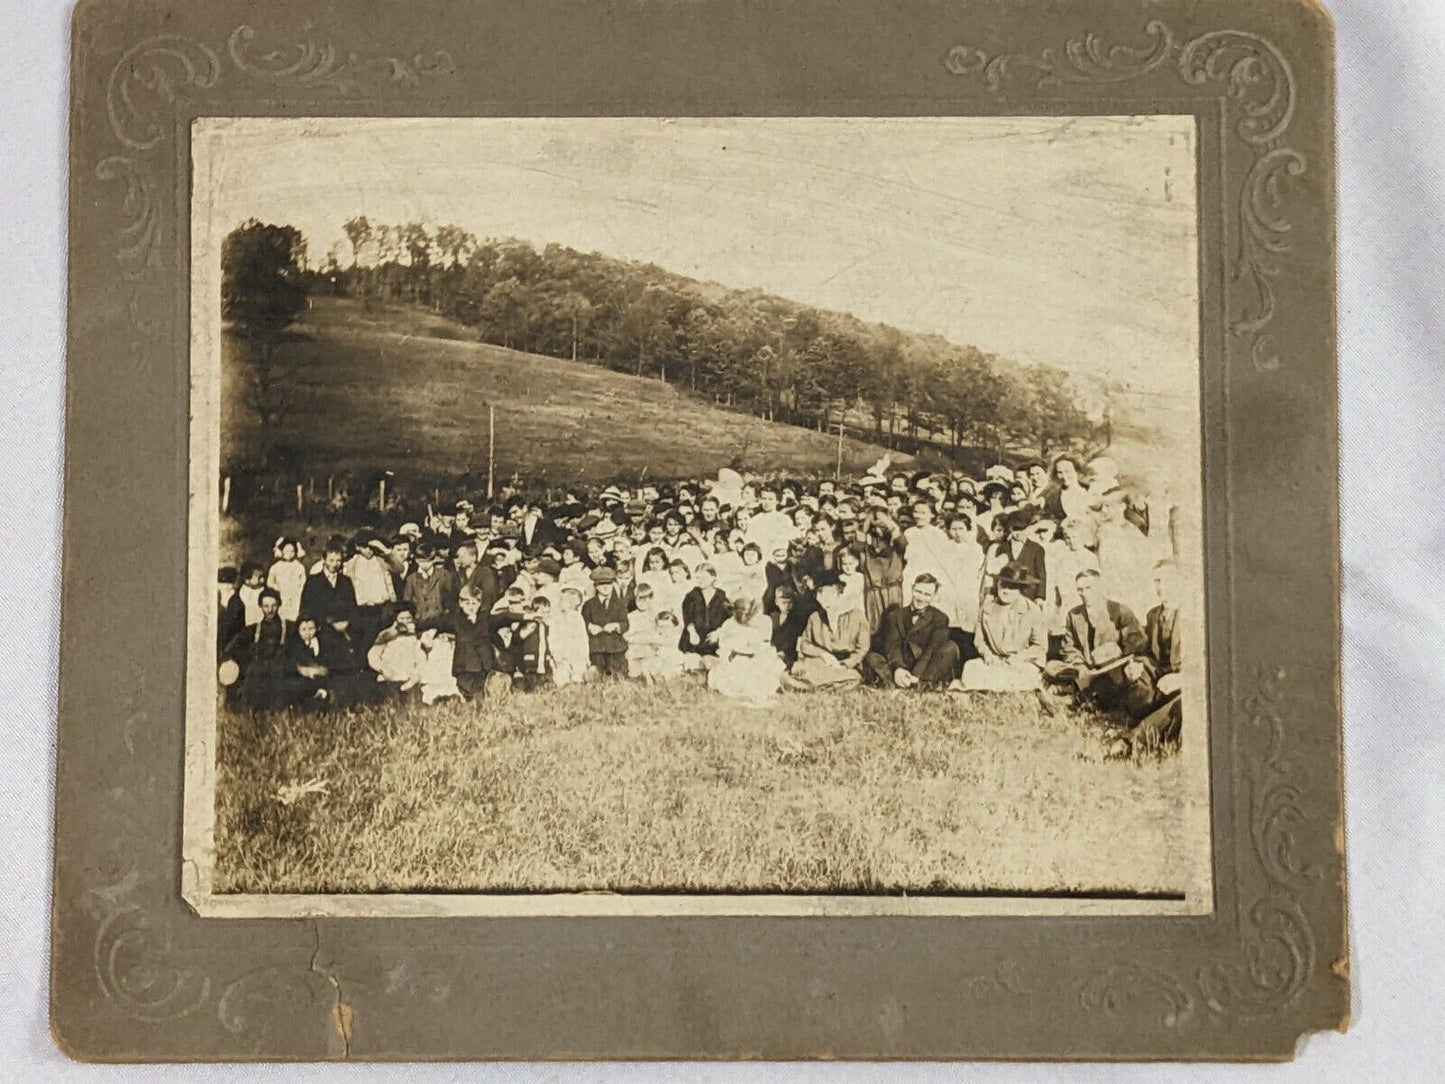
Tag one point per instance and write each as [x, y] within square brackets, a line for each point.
[1030, 579]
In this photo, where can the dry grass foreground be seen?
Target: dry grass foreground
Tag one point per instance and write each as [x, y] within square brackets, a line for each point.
[629, 787]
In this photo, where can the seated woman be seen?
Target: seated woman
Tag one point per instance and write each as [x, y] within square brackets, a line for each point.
[834, 641]
[748, 666]
[1012, 637]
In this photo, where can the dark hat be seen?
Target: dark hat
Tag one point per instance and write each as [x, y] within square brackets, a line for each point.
[604, 575]
[1016, 575]
[550, 567]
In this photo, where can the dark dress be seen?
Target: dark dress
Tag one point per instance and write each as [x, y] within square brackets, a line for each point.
[704, 615]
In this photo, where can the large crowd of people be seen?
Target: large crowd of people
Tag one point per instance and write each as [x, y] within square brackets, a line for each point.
[1051, 579]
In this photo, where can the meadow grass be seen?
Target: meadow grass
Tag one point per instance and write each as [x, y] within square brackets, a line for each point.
[672, 788]
[399, 388]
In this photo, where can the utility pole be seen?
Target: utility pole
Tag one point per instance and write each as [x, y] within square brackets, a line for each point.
[838, 471]
[491, 447]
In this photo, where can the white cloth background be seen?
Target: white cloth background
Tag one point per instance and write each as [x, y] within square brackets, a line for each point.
[1392, 279]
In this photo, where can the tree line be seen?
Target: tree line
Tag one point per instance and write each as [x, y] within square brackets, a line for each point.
[780, 359]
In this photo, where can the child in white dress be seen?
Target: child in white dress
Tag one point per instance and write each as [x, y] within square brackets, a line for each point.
[749, 667]
[567, 641]
[287, 576]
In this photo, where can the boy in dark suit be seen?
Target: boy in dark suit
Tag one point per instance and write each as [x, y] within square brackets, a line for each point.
[606, 616]
[472, 657]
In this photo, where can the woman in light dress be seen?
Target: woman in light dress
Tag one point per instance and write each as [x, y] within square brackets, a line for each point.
[749, 667]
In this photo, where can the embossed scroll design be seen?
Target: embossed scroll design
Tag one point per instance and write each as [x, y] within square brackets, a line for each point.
[1255, 80]
[1278, 949]
[139, 965]
[154, 76]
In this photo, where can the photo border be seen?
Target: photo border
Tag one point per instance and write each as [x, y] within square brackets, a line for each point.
[1194, 894]
[138, 976]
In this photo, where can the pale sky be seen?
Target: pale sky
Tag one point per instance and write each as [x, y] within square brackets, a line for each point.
[1070, 242]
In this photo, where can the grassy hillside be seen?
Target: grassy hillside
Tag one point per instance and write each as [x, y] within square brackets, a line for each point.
[400, 389]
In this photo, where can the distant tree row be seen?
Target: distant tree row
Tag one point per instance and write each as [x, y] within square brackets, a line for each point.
[782, 360]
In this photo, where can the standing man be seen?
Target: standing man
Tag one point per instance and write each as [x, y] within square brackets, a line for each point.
[914, 649]
[233, 611]
[537, 531]
[606, 616]
[329, 595]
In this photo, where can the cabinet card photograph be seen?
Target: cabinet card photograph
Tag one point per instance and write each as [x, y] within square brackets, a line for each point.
[696, 516]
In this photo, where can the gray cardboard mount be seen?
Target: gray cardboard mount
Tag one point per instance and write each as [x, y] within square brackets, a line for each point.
[136, 975]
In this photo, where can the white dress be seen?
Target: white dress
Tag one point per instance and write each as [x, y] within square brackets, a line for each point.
[748, 668]
[567, 645]
[287, 579]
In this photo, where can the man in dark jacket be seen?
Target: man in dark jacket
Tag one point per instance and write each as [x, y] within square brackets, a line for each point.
[537, 531]
[913, 646]
[328, 594]
[1100, 636]
[1155, 676]
[1023, 552]
[431, 590]
[233, 610]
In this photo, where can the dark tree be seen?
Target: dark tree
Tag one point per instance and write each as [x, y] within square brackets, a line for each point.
[263, 290]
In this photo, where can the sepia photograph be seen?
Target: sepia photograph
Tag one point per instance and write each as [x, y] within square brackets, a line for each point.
[696, 516]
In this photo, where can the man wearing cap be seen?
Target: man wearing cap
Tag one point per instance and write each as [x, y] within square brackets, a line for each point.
[914, 649]
[1017, 548]
[1012, 638]
[431, 589]
[623, 560]
[398, 557]
[606, 616]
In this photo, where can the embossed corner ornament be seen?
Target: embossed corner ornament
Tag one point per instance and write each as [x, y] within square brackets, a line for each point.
[156, 75]
[1256, 83]
[1276, 948]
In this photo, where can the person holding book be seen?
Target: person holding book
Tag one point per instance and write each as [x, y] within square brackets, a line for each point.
[1100, 637]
